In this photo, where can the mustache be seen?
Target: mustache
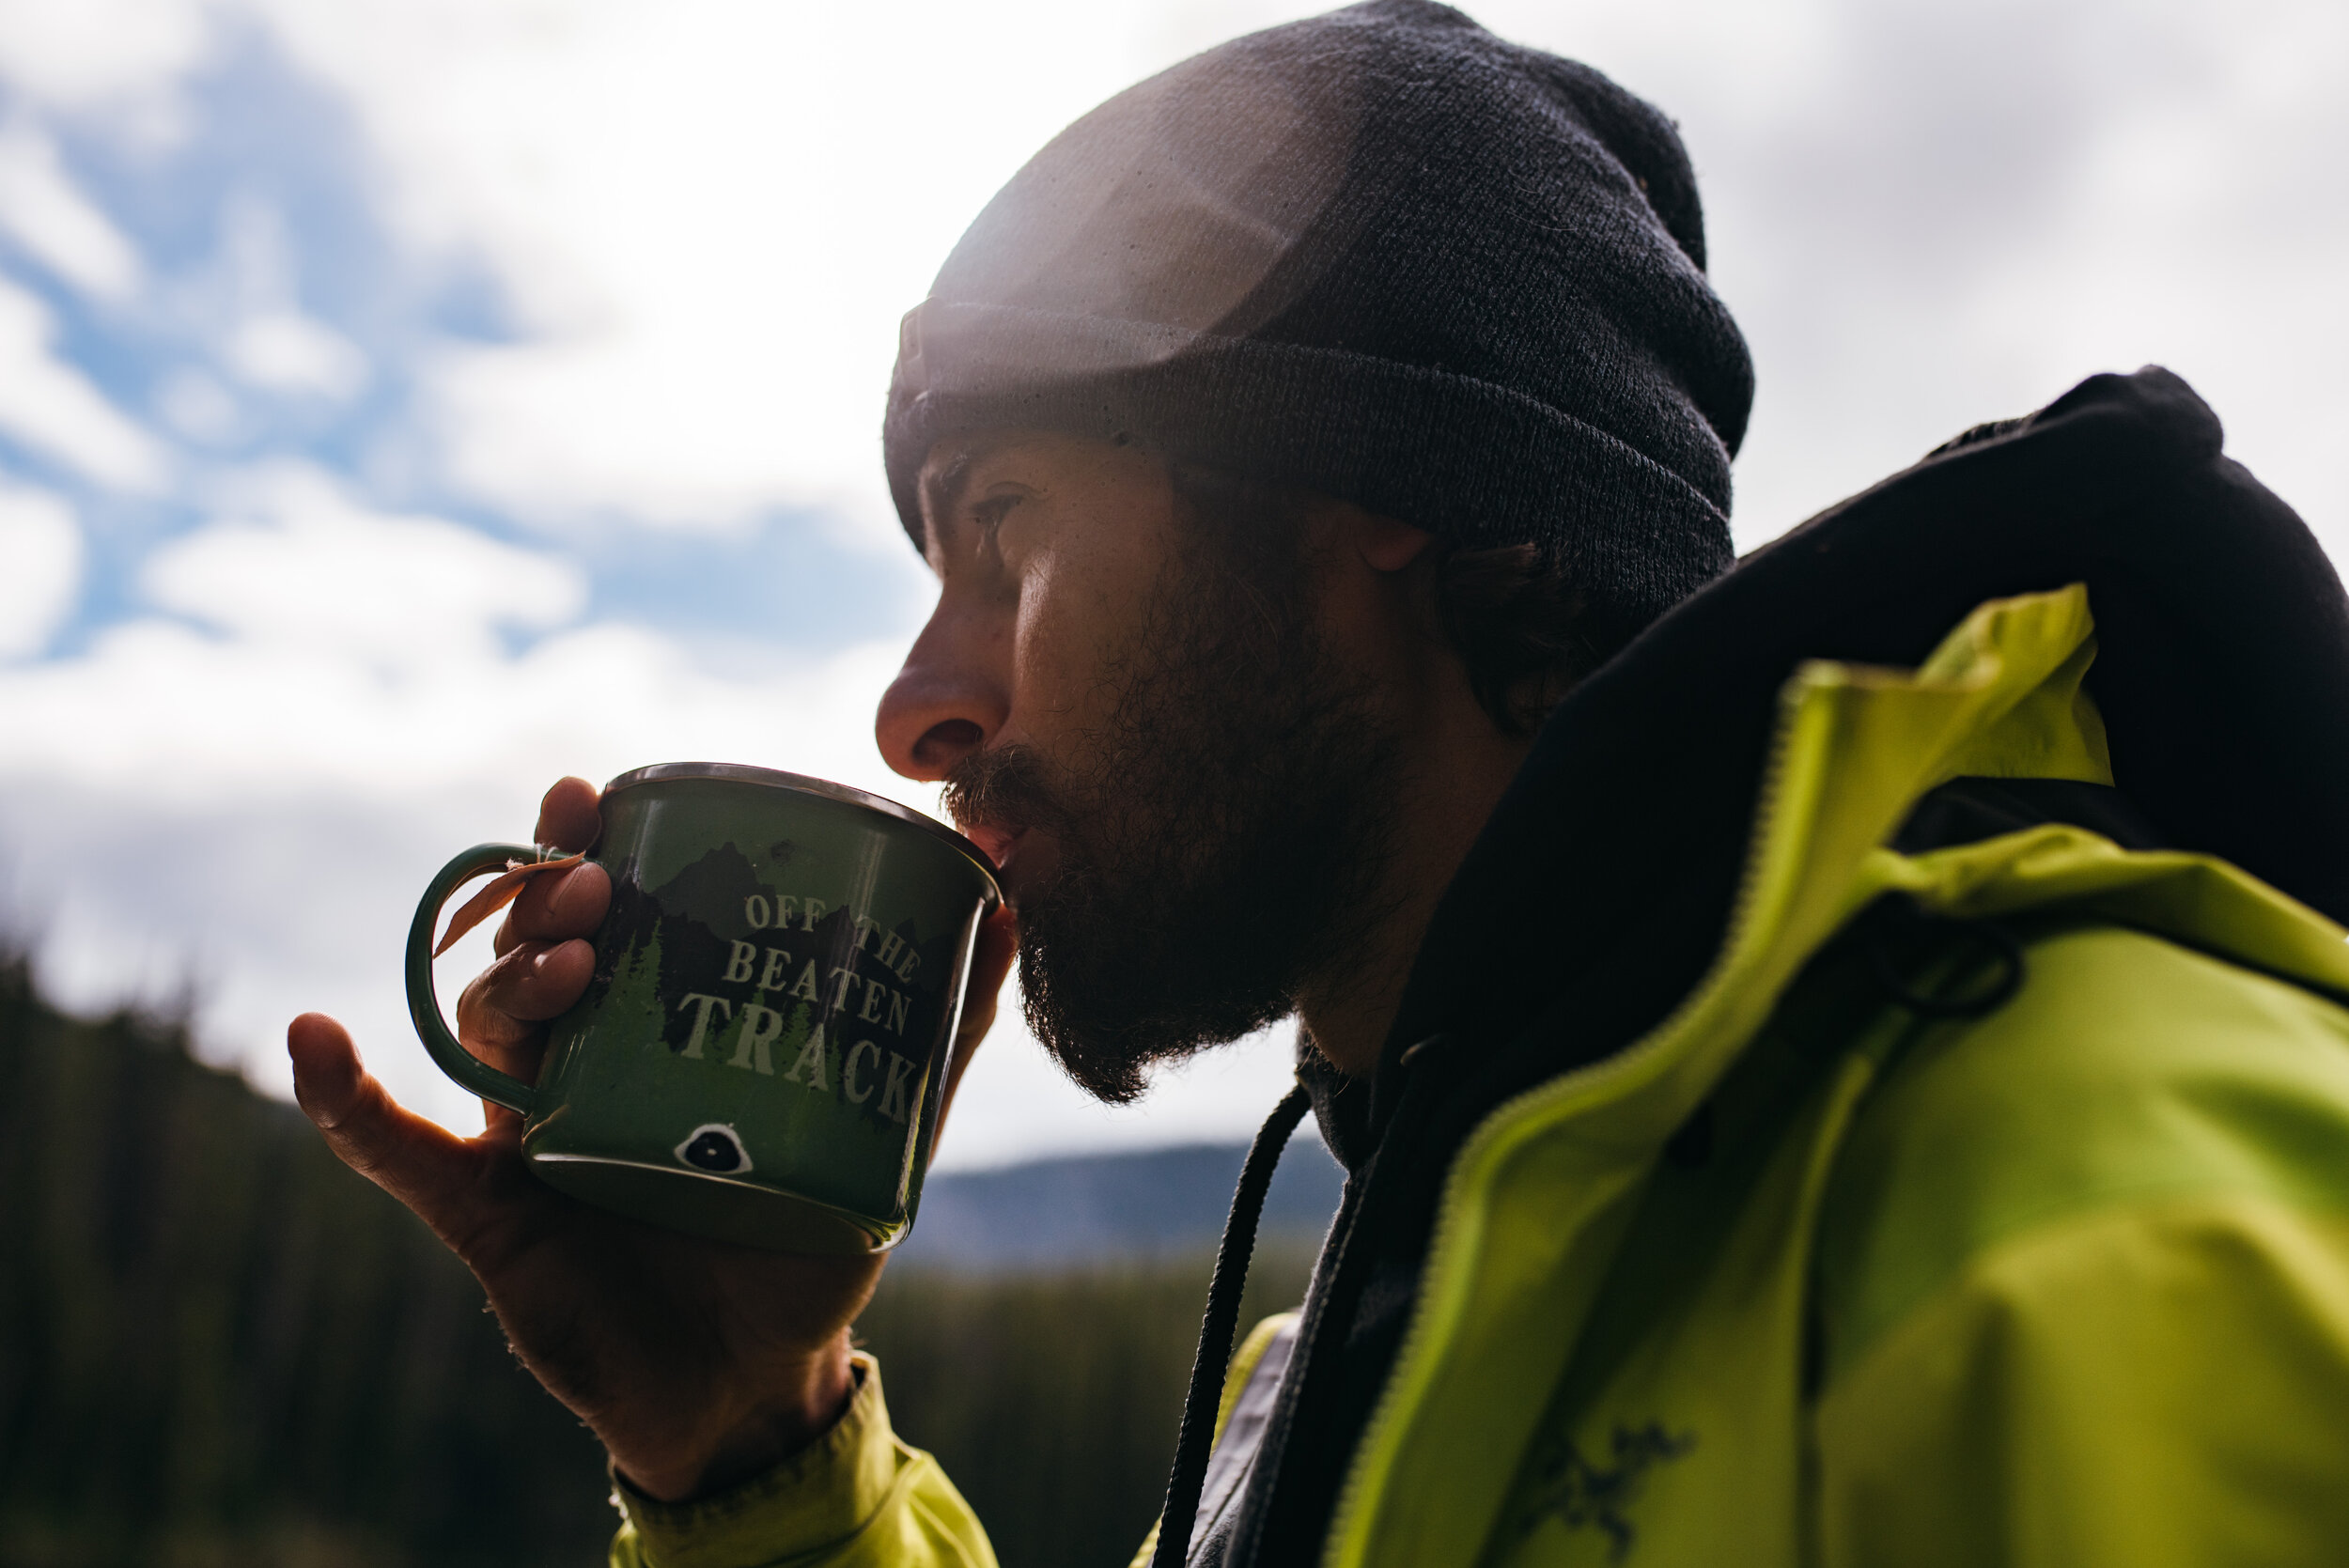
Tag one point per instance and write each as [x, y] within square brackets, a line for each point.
[1003, 788]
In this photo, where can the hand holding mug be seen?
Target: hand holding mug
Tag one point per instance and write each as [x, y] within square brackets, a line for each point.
[695, 1361]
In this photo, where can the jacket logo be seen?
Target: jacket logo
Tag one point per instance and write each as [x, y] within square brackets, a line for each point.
[1581, 1494]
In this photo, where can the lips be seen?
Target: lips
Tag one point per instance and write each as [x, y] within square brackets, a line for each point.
[994, 841]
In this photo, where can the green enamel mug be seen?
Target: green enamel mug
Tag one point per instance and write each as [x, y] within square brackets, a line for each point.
[763, 1052]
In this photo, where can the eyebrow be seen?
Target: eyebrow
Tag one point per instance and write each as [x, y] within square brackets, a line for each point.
[943, 490]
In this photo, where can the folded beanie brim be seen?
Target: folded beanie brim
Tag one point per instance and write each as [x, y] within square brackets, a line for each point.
[1484, 463]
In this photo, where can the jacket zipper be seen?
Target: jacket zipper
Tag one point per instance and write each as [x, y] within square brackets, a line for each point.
[1456, 1200]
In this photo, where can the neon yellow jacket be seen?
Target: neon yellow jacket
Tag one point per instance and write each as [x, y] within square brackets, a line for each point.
[2067, 1283]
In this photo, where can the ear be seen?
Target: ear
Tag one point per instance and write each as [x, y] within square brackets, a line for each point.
[1384, 543]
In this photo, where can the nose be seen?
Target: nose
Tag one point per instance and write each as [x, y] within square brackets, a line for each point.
[949, 700]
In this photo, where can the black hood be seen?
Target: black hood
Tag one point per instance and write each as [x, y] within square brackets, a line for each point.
[1600, 891]
[2223, 673]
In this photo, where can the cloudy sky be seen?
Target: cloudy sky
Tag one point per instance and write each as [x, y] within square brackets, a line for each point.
[404, 402]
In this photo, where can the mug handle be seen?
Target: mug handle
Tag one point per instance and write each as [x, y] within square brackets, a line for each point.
[424, 1002]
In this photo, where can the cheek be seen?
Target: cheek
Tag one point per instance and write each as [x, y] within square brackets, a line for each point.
[1088, 568]
[1053, 653]
[1073, 628]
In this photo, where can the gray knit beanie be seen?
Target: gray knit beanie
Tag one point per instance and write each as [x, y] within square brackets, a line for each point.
[1381, 254]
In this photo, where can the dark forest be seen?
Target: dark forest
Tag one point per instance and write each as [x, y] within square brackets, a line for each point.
[219, 1346]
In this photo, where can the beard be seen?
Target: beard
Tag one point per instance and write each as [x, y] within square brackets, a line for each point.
[1224, 845]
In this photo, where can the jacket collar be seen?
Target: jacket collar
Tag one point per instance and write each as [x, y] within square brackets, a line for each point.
[1617, 852]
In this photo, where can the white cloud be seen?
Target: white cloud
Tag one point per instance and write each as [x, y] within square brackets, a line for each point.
[84, 54]
[269, 340]
[300, 568]
[40, 204]
[709, 215]
[41, 568]
[287, 351]
[194, 404]
[47, 403]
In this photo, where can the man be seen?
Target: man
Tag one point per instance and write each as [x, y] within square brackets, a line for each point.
[1838, 1059]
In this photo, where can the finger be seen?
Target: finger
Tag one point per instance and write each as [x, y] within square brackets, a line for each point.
[568, 817]
[991, 958]
[503, 1007]
[483, 1027]
[557, 906]
[541, 982]
[425, 1166]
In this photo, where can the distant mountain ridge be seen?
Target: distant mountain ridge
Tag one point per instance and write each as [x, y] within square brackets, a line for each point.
[1089, 1208]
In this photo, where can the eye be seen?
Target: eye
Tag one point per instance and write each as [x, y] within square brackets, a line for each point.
[989, 513]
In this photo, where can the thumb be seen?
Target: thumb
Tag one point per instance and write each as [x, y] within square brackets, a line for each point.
[997, 946]
[991, 957]
[424, 1165]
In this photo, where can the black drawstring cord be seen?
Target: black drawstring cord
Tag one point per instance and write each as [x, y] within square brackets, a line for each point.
[1215, 1334]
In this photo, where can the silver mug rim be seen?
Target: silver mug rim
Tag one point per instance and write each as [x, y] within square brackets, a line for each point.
[803, 784]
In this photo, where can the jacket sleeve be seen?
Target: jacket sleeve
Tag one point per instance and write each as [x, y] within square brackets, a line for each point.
[2160, 1382]
[858, 1499]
